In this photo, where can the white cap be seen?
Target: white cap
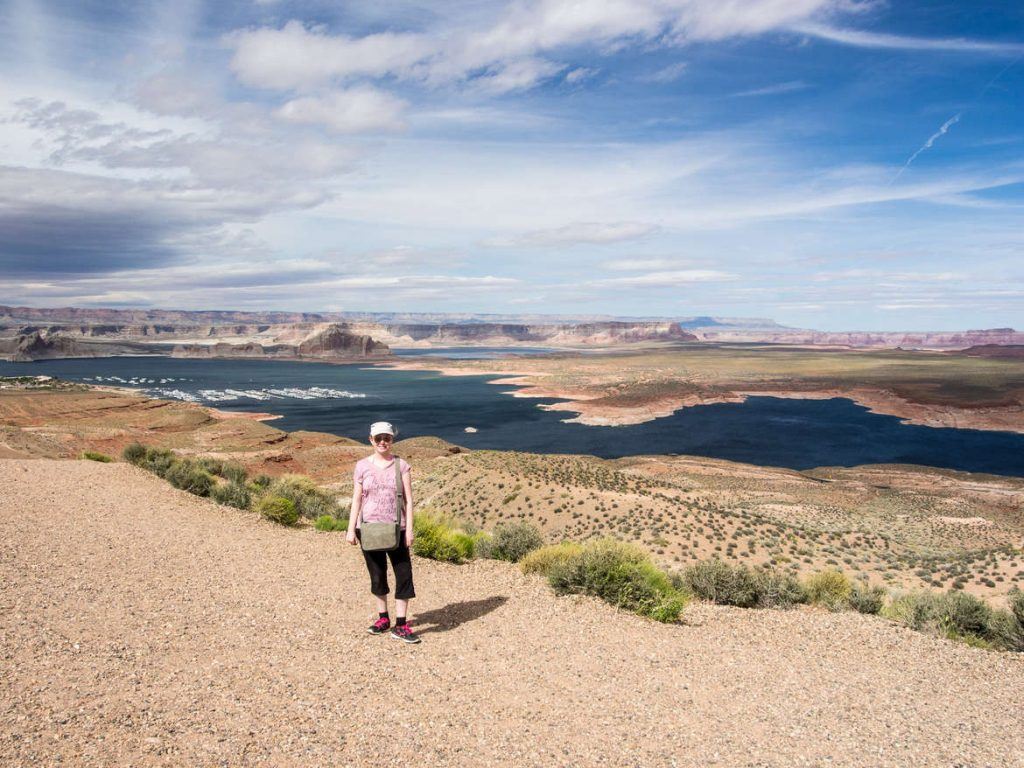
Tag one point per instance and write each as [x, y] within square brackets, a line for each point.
[381, 428]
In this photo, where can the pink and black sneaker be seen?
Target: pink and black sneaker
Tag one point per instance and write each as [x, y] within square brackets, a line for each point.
[380, 626]
[404, 633]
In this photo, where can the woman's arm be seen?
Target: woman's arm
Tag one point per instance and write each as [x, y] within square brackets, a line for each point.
[407, 486]
[353, 515]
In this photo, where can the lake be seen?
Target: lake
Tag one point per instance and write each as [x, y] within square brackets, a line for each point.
[345, 399]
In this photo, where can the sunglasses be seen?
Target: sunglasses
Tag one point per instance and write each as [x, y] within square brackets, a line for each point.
[382, 439]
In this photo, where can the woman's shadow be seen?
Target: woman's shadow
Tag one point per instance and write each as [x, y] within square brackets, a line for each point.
[454, 614]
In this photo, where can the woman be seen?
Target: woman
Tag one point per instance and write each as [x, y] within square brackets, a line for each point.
[375, 499]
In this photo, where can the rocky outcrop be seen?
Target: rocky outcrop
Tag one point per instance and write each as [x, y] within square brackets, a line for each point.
[334, 341]
[924, 340]
[41, 344]
[325, 342]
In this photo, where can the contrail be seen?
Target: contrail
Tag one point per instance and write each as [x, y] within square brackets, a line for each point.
[943, 130]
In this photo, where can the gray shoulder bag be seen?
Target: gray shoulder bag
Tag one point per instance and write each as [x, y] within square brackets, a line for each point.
[384, 537]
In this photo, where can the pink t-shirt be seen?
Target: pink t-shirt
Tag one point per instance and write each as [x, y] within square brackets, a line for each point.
[380, 496]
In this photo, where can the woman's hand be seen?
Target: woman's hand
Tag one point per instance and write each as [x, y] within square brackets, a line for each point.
[408, 538]
[350, 537]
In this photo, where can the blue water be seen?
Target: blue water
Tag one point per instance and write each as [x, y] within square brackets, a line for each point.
[799, 434]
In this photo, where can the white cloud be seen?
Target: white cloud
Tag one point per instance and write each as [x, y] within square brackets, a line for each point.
[862, 39]
[582, 232]
[506, 51]
[638, 265]
[359, 109]
[297, 56]
[772, 90]
[666, 279]
[667, 74]
[580, 74]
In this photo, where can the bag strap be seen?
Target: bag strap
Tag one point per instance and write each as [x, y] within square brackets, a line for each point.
[400, 492]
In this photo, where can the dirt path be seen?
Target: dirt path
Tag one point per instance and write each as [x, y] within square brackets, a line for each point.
[143, 626]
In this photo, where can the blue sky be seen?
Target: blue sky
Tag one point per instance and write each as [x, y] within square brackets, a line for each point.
[832, 164]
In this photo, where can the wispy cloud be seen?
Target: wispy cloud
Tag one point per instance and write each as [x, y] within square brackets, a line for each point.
[943, 130]
[862, 39]
[667, 74]
[360, 109]
[772, 90]
[665, 279]
[581, 232]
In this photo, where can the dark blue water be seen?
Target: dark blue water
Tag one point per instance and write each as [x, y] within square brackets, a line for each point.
[474, 353]
[799, 434]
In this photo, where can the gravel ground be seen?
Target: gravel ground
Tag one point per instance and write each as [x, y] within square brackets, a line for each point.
[143, 626]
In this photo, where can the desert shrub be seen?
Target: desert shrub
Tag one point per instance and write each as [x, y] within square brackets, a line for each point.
[742, 586]
[234, 472]
[189, 475]
[957, 615]
[776, 589]
[330, 523]
[232, 494]
[96, 456]
[262, 482]
[545, 559]
[721, 583]
[134, 453]
[831, 589]
[1016, 600]
[513, 541]
[867, 599]
[440, 538]
[620, 574]
[911, 609]
[213, 466]
[483, 543]
[278, 509]
[961, 613]
[1004, 631]
[159, 461]
[309, 499]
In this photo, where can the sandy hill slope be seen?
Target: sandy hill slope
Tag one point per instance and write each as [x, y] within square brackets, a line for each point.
[144, 626]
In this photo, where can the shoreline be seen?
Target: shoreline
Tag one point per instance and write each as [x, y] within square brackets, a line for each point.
[878, 401]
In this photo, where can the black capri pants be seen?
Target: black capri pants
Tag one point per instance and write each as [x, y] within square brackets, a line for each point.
[377, 565]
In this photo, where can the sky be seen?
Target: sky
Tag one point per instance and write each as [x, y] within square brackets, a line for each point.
[830, 164]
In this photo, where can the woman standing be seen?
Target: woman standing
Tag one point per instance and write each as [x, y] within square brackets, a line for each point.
[375, 499]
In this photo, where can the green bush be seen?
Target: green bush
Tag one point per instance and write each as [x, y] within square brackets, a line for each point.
[742, 586]
[262, 482]
[96, 456]
[867, 599]
[831, 589]
[513, 541]
[957, 615]
[232, 494]
[213, 466]
[911, 609]
[234, 472]
[777, 589]
[545, 559]
[134, 453]
[309, 499]
[329, 523]
[439, 538]
[721, 583]
[483, 544]
[278, 509]
[159, 461]
[189, 475]
[961, 613]
[1016, 600]
[620, 574]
